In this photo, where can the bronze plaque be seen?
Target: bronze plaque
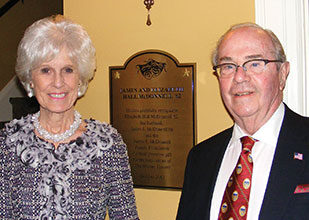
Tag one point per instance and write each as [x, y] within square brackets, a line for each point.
[153, 107]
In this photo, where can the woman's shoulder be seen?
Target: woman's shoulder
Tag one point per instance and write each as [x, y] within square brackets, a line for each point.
[17, 129]
[13, 132]
[17, 125]
[100, 128]
[104, 136]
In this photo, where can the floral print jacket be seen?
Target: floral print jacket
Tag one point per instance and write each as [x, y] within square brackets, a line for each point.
[77, 180]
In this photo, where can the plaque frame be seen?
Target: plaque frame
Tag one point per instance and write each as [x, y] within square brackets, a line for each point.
[192, 67]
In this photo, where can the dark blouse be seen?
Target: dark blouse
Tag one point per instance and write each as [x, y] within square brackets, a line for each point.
[78, 180]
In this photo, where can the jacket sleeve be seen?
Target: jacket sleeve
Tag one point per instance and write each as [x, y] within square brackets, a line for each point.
[5, 189]
[121, 204]
[185, 194]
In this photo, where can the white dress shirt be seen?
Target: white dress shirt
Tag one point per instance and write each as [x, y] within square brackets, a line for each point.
[262, 154]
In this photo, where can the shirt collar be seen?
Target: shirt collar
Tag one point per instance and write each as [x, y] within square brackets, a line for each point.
[268, 133]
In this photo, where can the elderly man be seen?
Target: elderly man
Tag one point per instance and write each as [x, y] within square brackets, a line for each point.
[257, 169]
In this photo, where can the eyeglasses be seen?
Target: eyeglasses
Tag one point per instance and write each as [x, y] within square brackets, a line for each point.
[254, 66]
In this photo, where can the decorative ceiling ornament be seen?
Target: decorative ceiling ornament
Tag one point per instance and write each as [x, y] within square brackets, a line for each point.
[148, 4]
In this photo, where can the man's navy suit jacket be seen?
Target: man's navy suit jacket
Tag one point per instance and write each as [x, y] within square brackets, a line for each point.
[286, 174]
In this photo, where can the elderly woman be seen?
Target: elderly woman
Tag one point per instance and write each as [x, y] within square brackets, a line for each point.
[53, 164]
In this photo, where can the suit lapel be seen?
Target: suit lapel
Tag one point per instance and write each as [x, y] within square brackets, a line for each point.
[204, 162]
[221, 152]
[286, 171]
[221, 143]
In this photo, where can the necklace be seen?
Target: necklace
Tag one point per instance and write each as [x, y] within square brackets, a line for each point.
[56, 137]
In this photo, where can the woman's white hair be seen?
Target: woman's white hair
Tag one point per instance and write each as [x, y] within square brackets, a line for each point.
[42, 42]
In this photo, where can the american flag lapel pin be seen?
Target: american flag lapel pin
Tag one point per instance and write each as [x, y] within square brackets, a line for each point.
[298, 156]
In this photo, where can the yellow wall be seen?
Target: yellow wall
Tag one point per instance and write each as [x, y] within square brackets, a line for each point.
[186, 29]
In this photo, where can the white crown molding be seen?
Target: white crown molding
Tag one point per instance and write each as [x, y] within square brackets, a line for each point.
[10, 90]
[7, 89]
[288, 19]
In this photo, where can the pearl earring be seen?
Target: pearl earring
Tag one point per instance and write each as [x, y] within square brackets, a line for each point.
[29, 89]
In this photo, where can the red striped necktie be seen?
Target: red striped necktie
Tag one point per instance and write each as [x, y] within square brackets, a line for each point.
[236, 195]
